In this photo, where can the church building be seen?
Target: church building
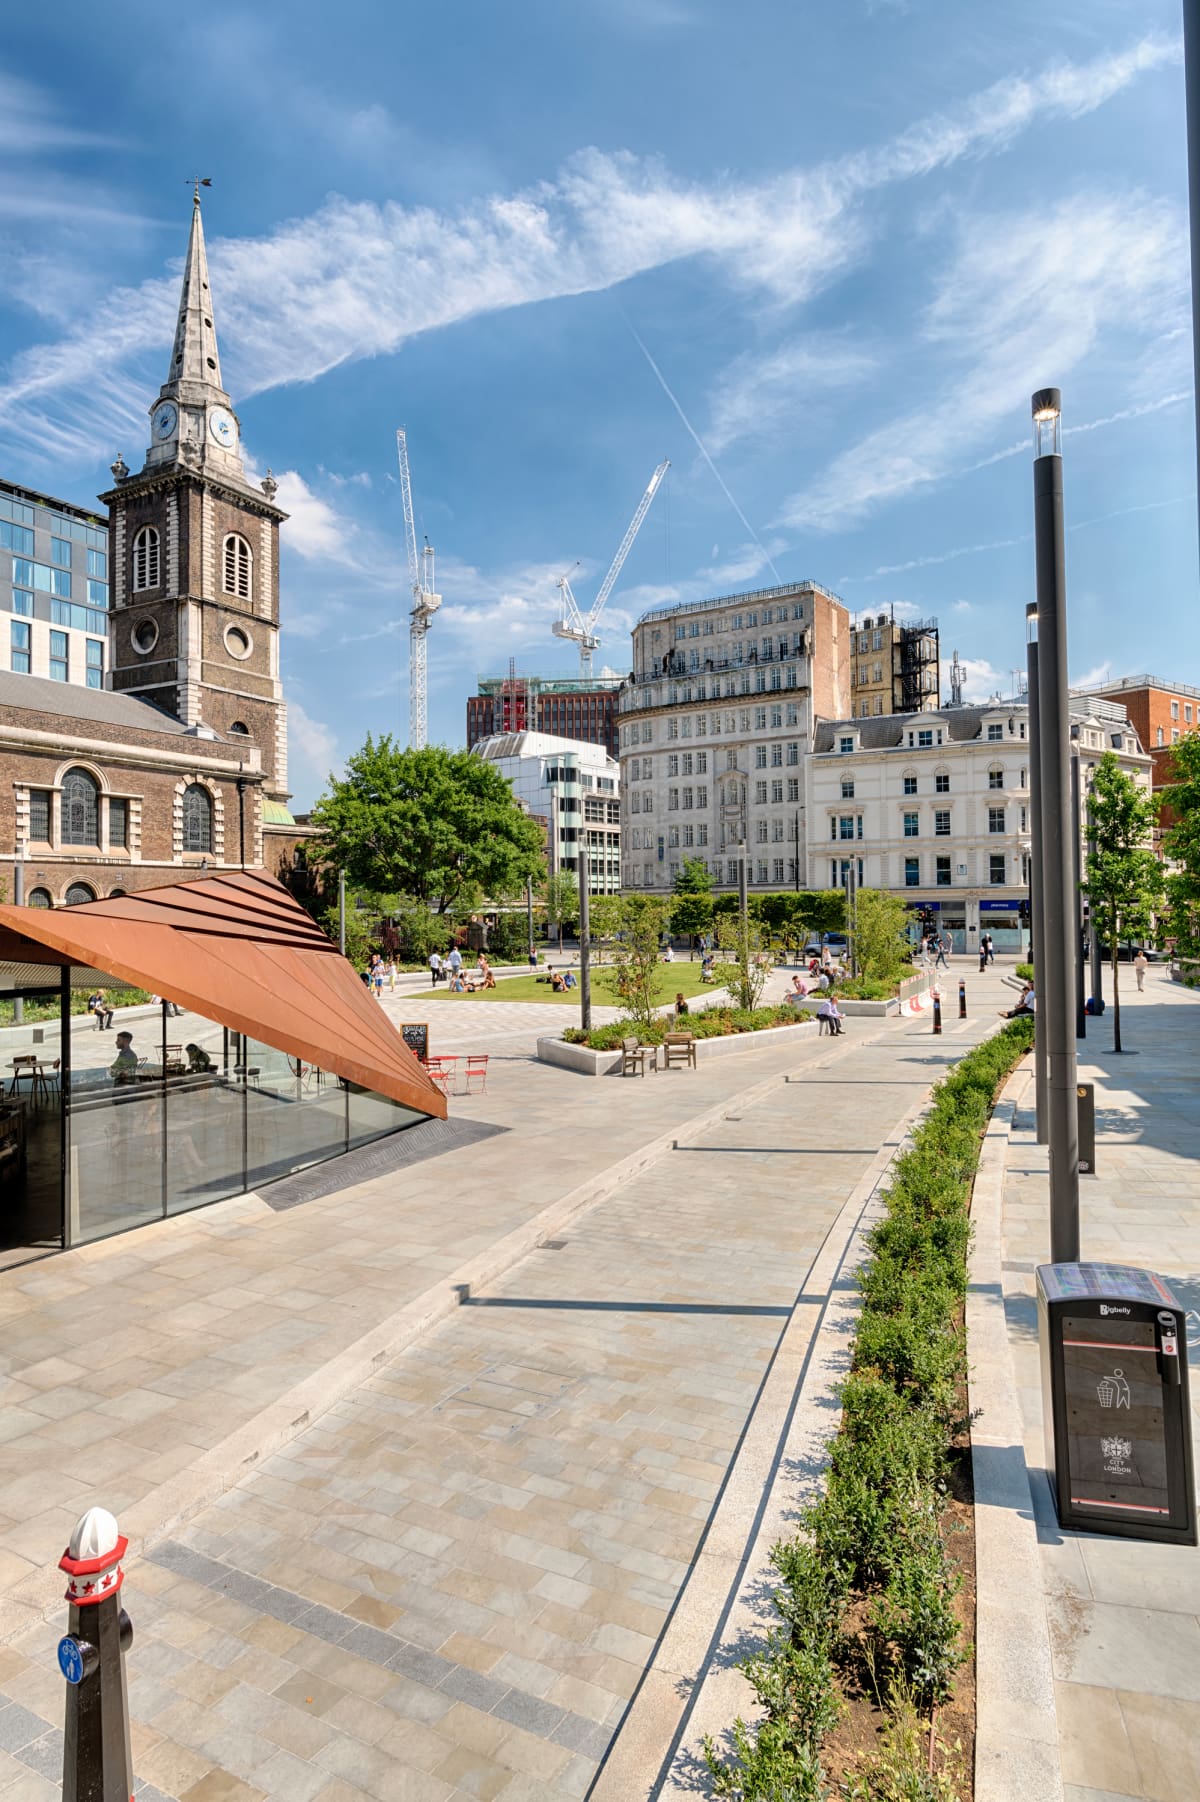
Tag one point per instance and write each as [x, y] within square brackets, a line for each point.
[180, 762]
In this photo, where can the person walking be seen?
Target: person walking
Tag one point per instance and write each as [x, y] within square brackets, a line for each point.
[392, 974]
[435, 967]
[454, 960]
[943, 945]
[1140, 966]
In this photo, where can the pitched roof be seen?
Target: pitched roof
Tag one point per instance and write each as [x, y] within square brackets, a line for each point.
[241, 951]
[70, 701]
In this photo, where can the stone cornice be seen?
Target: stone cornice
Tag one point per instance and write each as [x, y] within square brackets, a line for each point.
[144, 757]
[175, 475]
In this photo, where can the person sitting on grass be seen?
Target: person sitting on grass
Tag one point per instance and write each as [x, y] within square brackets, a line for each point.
[487, 978]
[558, 982]
[706, 968]
[569, 980]
[458, 982]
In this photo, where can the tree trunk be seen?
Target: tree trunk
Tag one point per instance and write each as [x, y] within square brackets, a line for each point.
[1116, 994]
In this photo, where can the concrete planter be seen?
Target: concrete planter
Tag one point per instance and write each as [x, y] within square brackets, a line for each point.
[868, 1010]
[599, 1063]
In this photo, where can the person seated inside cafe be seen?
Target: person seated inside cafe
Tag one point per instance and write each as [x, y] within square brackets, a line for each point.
[124, 1066]
[199, 1061]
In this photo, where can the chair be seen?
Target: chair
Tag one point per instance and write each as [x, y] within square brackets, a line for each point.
[174, 1062]
[633, 1058]
[679, 1048]
[442, 1072]
[249, 1073]
[476, 1071]
[24, 1066]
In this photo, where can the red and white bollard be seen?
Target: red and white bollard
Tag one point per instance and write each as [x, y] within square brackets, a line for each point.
[937, 1010]
[97, 1758]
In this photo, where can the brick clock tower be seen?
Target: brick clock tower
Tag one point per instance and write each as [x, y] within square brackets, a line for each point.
[194, 557]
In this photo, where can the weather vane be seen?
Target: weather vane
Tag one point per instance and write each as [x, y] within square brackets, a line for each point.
[196, 182]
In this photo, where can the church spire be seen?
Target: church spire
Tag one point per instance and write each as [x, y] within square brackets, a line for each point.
[194, 356]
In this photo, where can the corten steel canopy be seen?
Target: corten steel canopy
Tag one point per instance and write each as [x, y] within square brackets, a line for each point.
[239, 950]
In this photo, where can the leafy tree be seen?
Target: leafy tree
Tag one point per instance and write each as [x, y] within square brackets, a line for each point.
[881, 936]
[746, 966]
[419, 930]
[604, 921]
[643, 919]
[1182, 845]
[359, 939]
[1124, 878]
[693, 909]
[441, 826]
[562, 900]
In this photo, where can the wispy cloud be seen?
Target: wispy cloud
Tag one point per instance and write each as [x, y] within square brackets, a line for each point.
[759, 394]
[1094, 678]
[1024, 293]
[337, 285]
[313, 751]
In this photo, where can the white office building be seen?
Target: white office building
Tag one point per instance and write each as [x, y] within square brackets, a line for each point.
[934, 807]
[574, 788]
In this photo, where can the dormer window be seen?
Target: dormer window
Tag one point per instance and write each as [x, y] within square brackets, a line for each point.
[237, 566]
[845, 744]
[995, 733]
[146, 559]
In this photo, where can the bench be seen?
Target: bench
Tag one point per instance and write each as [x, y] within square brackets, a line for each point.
[679, 1048]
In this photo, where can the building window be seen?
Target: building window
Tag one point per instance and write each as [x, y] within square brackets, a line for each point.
[995, 819]
[16, 538]
[925, 740]
[1174, 710]
[1187, 713]
[943, 872]
[97, 565]
[197, 818]
[1159, 736]
[237, 566]
[912, 826]
[793, 788]
[78, 894]
[21, 632]
[848, 789]
[995, 735]
[60, 552]
[941, 783]
[59, 667]
[673, 764]
[846, 825]
[23, 602]
[118, 825]
[910, 785]
[997, 871]
[760, 757]
[145, 559]
[777, 792]
[941, 823]
[995, 778]
[95, 663]
[39, 815]
[845, 745]
[80, 809]
[912, 872]
[39, 897]
[240, 727]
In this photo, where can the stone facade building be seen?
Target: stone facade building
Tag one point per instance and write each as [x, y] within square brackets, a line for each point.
[575, 788]
[180, 761]
[934, 807]
[716, 722]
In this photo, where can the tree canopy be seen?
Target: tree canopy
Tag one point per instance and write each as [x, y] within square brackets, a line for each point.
[441, 826]
[1182, 846]
[693, 908]
[1124, 878]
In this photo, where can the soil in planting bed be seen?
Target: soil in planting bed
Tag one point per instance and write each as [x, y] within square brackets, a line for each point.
[847, 1750]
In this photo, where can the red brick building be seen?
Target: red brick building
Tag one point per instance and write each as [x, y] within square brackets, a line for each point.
[564, 706]
[181, 762]
[1160, 712]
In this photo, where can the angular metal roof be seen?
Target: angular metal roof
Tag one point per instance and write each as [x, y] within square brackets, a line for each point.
[239, 950]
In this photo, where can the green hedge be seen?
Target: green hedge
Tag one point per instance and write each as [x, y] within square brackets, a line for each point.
[867, 1583]
[706, 1023]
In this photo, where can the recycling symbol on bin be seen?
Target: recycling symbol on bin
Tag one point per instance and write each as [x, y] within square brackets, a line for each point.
[1113, 1391]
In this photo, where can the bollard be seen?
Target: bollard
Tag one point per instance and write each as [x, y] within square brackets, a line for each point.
[937, 1010]
[962, 998]
[97, 1760]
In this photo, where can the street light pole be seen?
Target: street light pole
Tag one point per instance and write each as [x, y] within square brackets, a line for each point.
[1077, 886]
[1056, 983]
[1097, 960]
[1191, 79]
[1037, 923]
[585, 948]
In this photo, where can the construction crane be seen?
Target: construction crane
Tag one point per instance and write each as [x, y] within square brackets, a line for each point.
[571, 623]
[421, 574]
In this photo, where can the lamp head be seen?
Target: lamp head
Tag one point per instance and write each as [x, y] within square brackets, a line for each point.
[1047, 423]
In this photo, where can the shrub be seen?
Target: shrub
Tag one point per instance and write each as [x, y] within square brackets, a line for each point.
[708, 1023]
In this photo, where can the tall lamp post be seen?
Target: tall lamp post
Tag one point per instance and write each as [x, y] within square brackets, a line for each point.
[1056, 981]
[1077, 883]
[1037, 912]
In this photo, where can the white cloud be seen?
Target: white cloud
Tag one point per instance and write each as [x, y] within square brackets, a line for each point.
[1094, 678]
[313, 754]
[316, 530]
[758, 394]
[982, 680]
[1025, 294]
[961, 607]
[355, 279]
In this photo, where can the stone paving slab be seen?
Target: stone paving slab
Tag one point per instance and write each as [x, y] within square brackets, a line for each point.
[452, 1582]
[1123, 1617]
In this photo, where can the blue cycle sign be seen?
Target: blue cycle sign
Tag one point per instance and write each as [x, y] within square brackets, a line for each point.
[70, 1659]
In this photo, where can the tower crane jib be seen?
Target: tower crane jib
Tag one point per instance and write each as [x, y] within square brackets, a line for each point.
[580, 627]
[425, 604]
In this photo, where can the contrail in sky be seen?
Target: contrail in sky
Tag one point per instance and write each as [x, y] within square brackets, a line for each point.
[695, 438]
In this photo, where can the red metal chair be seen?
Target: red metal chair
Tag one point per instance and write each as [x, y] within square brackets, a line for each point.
[476, 1071]
[443, 1071]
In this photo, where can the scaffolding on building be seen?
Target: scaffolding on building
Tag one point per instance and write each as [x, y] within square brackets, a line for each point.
[916, 668]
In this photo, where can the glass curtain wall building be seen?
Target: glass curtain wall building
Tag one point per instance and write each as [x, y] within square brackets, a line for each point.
[54, 588]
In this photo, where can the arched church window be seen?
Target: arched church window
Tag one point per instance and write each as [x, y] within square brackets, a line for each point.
[80, 810]
[237, 566]
[240, 727]
[146, 558]
[77, 894]
[39, 897]
[197, 818]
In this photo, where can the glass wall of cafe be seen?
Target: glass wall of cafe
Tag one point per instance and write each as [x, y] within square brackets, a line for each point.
[129, 1112]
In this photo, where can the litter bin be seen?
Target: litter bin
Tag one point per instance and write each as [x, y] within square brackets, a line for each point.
[1115, 1401]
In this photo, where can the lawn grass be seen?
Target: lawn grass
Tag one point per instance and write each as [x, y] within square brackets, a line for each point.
[671, 979]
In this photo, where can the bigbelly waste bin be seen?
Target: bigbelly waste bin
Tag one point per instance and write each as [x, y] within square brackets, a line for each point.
[1115, 1401]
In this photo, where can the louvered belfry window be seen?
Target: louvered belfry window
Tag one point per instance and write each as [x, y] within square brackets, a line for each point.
[146, 558]
[237, 566]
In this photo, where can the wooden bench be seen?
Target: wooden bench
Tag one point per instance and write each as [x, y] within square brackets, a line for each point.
[679, 1048]
[633, 1058]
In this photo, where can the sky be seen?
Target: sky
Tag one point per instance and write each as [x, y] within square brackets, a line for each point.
[818, 256]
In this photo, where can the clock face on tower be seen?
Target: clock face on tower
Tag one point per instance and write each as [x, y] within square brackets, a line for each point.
[223, 427]
[165, 420]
